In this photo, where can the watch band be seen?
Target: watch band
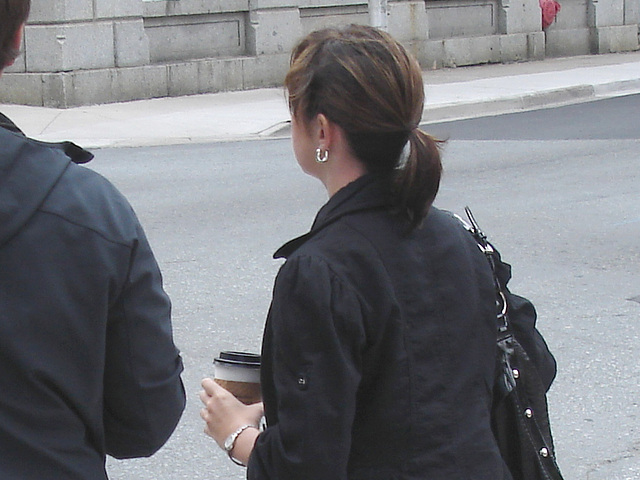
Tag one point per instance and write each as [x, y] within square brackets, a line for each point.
[230, 442]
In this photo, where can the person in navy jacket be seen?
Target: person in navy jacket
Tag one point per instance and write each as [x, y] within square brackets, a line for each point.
[88, 366]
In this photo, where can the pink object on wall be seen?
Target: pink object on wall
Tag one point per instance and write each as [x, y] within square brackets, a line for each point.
[550, 9]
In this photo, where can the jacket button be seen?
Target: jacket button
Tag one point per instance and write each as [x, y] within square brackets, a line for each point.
[516, 373]
[544, 452]
[528, 413]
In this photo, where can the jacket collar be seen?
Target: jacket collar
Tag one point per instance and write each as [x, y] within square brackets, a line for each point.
[74, 152]
[366, 193]
[7, 124]
[29, 170]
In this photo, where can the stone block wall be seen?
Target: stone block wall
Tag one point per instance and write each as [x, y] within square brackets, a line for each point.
[66, 35]
[464, 32]
[79, 52]
[594, 26]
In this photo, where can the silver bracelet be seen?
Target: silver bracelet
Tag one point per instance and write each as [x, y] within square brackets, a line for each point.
[230, 442]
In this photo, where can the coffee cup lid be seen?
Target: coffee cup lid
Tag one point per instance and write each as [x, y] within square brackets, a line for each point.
[239, 359]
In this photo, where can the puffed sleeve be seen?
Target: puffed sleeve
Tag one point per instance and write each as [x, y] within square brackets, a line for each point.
[144, 396]
[316, 337]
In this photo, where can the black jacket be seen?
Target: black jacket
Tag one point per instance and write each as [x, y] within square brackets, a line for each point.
[379, 350]
[88, 366]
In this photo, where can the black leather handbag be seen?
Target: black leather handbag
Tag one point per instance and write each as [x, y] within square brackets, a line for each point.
[524, 371]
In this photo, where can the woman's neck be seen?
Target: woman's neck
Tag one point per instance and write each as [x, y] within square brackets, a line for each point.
[343, 169]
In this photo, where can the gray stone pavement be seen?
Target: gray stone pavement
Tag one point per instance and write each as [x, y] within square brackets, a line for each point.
[452, 93]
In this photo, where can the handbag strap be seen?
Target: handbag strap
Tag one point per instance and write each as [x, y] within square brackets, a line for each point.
[489, 252]
[545, 456]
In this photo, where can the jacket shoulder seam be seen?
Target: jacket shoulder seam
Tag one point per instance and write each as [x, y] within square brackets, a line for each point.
[98, 232]
[343, 281]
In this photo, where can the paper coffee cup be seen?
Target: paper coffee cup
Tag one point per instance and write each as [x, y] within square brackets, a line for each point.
[239, 373]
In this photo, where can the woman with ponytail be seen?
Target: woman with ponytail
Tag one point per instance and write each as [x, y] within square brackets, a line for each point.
[379, 347]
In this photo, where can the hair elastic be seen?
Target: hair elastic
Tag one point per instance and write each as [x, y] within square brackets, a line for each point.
[404, 156]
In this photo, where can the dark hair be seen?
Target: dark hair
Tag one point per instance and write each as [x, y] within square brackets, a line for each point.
[363, 80]
[13, 13]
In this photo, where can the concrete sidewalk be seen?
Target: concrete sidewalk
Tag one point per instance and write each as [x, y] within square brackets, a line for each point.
[257, 114]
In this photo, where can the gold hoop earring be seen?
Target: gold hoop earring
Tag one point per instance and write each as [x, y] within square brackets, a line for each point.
[320, 157]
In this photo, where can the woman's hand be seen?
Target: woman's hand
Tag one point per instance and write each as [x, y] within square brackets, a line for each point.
[224, 414]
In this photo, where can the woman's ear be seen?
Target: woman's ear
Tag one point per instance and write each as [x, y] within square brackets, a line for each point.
[325, 131]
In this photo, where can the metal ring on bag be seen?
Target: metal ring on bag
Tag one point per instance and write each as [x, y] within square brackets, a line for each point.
[503, 313]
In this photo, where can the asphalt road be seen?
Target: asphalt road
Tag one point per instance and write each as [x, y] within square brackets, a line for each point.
[556, 190]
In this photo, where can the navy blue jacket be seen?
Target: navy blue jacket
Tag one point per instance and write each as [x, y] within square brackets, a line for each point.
[88, 366]
[379, 350]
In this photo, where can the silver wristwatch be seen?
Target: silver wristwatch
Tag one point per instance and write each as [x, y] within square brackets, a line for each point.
[230, 442]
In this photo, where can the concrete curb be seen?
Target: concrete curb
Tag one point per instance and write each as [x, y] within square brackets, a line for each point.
[522, 103]
[512, 104]
[620, 88]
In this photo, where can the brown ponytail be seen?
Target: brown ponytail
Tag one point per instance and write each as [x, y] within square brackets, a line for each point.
[362, 79]
[416, 183]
